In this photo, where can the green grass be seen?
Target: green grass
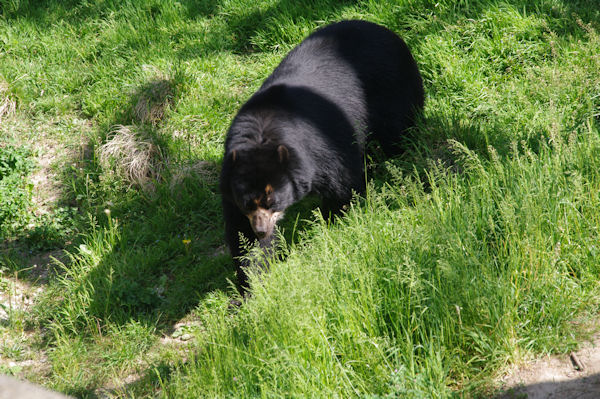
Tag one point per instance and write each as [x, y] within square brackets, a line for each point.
[15, 192]
[475, 249]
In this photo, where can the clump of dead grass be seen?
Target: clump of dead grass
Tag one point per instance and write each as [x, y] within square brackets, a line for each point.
[201, 170]
[152, 101]
[134, 155]
[7, 105]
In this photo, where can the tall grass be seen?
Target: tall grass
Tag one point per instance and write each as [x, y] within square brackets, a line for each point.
[416, 291]
[476, 248]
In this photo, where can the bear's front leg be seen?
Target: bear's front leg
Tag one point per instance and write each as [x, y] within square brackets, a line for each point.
[236, 224]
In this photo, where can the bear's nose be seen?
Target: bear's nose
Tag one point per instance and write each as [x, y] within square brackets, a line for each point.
[263, 222]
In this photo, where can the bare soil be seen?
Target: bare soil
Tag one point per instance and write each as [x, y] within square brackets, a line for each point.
[574, 375]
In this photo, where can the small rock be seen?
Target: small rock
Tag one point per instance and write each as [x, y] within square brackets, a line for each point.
[185, 337]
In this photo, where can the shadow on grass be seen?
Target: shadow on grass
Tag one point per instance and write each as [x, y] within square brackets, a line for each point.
[244, 24]
[81, 11]
[148, 384]
[149, 253]
[152, 249]
[243, 27]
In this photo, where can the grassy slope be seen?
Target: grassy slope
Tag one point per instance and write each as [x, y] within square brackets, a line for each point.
[476, 248]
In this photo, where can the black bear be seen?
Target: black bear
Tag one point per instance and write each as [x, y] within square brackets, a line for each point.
[305, 130]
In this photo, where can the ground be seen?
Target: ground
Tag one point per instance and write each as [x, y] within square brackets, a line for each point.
[574, 375]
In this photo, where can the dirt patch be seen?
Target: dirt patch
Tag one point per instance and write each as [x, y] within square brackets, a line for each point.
[16, 296]
[47, 190]
[52, 155]
[575, 375]
[42, 265]
[18, 351]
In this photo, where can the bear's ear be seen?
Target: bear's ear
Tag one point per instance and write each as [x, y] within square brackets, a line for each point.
[282, 153]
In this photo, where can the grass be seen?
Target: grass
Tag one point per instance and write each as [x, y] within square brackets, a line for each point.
[476, 248]
[15, 192]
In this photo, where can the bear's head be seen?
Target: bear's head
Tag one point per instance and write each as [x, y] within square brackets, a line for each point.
[259, 185]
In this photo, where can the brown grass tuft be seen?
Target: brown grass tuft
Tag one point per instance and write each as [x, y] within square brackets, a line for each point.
[153, 100]
[201, 170]
[133, 155]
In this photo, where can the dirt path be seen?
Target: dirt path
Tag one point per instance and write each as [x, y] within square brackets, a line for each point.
[575, 375]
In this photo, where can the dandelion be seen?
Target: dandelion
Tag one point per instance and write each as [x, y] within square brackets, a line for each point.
[186, 244]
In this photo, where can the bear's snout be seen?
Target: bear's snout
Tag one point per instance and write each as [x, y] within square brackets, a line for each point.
[263, 222]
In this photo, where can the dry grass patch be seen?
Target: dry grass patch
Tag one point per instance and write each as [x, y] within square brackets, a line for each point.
[132, 154]
[153, 100]
[201, 170]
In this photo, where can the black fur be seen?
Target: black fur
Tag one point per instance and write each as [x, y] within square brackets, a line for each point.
[305, 130]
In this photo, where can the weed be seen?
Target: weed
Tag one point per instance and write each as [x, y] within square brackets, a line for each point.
[15, 190]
